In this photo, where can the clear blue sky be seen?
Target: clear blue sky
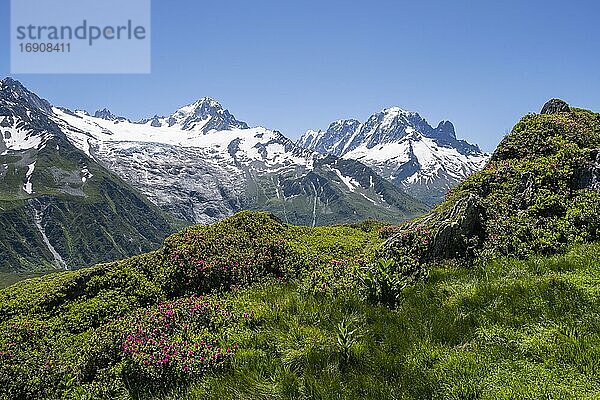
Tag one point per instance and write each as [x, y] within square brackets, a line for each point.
[295, 65]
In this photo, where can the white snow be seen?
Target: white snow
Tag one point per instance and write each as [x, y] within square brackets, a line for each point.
[368, 198]
[348, 181]
[28, 186]
[438, 166]
[90, 131]
[380, 153]
[85, 174]
[433, 159]
[175, 167]
[17, 139]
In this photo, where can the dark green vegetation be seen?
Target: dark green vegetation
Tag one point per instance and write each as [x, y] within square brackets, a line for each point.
[506, 330]
[538, 194]
[292, 198]
[110, 224]
[8, 278]
[116, 328]
[468, 302]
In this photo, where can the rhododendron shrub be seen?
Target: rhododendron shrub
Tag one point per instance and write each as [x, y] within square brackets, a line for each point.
[174, 340]
[231, 254]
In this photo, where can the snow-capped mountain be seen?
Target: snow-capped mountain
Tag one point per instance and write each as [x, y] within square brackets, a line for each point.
[204, 115]
[58, 207]
[201, 164]
[402, 147]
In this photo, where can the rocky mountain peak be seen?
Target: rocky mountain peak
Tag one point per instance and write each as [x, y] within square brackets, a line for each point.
[13, 92]
[106, 114]
[205, 114]
[404, 148]
[344, 124]
[446, 129]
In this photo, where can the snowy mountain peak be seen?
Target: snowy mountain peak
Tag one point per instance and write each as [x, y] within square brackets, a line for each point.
[201, 107]
[397, 111]
[203, 115]
[13, 92]
[10, 82]
[404, 148]
[330, 141]
[208, 102]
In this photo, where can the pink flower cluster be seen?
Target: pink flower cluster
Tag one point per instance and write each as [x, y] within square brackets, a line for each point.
[175, 338]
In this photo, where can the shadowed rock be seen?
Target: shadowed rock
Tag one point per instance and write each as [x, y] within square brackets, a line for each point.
[452, 234]
[555, 106]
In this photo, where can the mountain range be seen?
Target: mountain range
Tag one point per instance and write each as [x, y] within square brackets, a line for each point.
[58, 207]
[201, 164]
[403, 148]
[78, 189]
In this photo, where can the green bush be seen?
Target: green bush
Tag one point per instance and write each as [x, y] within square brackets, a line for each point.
[100, 332]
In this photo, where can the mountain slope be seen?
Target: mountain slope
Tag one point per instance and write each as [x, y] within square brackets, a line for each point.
[537, 195]
[201, 164]
[58, 207]
[403, 148]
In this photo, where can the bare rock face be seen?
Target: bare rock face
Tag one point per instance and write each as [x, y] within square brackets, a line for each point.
[451, 234]
[555, 106]
[589, 176]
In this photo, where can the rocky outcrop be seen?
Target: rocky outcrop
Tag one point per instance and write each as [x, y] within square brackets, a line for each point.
[589, 176]
[538, 195]
[450, 234]
[555, 106]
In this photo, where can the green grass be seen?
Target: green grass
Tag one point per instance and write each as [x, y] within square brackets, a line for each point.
[505, 330]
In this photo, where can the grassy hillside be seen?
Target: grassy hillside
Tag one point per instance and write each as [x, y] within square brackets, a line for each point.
[252, 308]
[505, 330]
[74, 325]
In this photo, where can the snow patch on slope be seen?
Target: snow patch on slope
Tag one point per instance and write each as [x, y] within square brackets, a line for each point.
[348, 181]
[28, 186]
[18, 139]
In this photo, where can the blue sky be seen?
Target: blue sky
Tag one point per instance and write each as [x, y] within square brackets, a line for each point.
[294, 66]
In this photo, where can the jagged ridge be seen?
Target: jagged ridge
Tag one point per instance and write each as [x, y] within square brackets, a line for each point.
[402, 147]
